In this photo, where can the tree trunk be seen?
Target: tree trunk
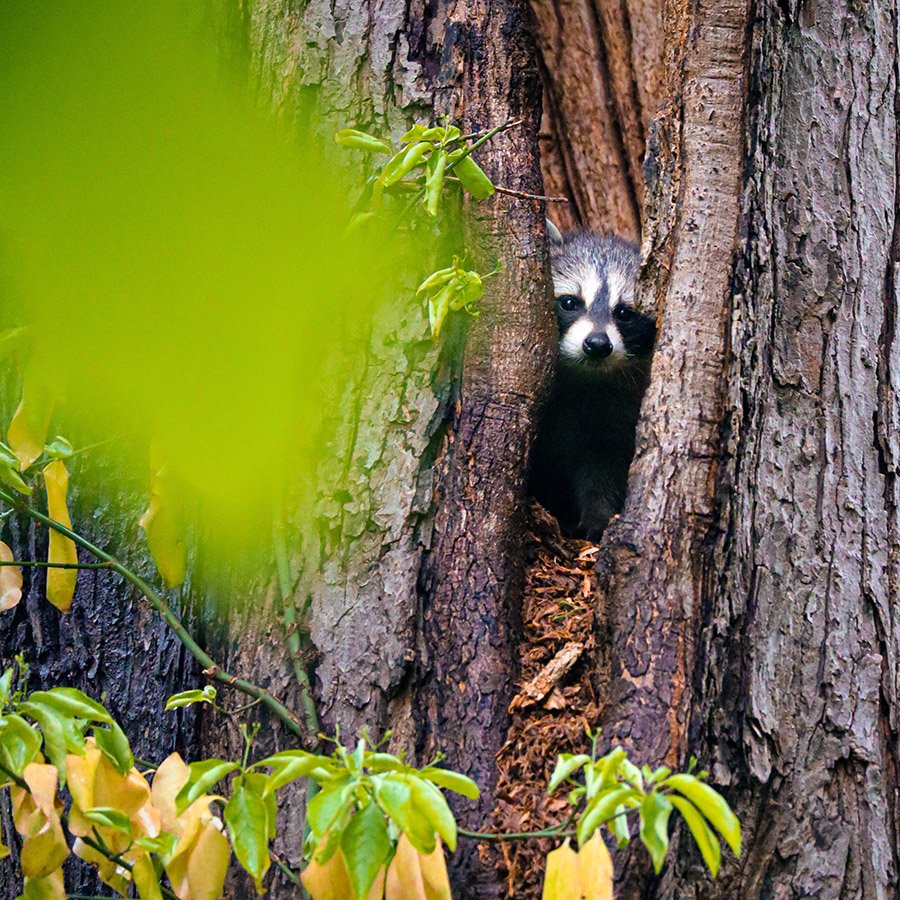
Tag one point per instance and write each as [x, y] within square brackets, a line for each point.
[601, 66]
[749, 590]
[414, 570]
[748, 604]
[411, 571]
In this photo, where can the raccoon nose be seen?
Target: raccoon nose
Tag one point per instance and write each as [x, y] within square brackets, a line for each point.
[597, 346]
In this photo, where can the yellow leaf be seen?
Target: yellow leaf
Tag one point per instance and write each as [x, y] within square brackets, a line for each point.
[328, 881]
[81, 772]
[434, 873]
[199, 863]
[93, 781]
[60, 582]
[416, 876]
[10, 580]
[170, 777]
[27, 432]
[596, 868]
[562, 880]
[36, 816]
[50, 887]
[144, 876]
[41, 779]
[163, 525]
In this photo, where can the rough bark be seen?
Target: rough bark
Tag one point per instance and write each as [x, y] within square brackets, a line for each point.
[802, 609]
[414, 571]
[601, 65]
[749, 591]
[652, 576]
[110, 643]
[411, 570]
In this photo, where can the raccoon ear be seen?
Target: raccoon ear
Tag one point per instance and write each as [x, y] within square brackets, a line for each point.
[554, 234]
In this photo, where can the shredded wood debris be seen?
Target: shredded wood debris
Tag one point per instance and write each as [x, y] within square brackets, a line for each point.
[555, 701]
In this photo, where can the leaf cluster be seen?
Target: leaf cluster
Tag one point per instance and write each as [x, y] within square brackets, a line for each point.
[605, 790]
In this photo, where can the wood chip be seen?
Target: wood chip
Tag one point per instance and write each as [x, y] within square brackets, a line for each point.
[548, 677]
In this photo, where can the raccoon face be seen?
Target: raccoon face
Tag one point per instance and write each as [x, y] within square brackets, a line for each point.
[593, 281]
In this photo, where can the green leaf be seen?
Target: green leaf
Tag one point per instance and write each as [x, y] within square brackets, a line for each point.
[473, 178]
[384, 762]
[256, 782]
[72, 702]
[115, 747]
[109, 818]
[11, 478]
[434, 181]
[452, 781]
[248, 828]
[436, 280]
[162, 845]
[54, 731]
[58, 448]
[5, 687]
[19, 743]
[428, 800]
[327, 805]
[359, 140]
[438, 307]
[655, 812]
[366, 847]
[601, 809]
[706, 841]
[619, 826]
[414, 134]
[632, 774]
[203, 775]
[609, 766]
[566, 765]
[289, 770]
[403, 163]
[713, 806]
[394, 796]
[187, 698]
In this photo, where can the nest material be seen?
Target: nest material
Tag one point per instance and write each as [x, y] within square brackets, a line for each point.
[555, 702]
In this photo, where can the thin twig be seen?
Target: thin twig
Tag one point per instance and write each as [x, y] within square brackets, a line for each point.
[478, 134]
[289, 611]
[522, 195]
[210, 667]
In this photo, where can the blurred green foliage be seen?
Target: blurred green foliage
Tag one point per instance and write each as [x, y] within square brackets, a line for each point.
[179, 257]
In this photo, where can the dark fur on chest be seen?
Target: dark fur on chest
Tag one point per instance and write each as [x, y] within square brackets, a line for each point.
[585, 446]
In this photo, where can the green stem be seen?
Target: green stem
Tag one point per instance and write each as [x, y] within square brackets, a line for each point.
[286, 869]
[19, 782]
[211, 668]
[483, 140]
[516, 835]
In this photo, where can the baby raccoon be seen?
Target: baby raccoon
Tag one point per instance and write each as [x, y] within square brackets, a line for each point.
[586, 441]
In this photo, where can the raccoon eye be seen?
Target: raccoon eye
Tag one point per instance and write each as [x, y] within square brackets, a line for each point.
[568, 302]
[624, 313]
